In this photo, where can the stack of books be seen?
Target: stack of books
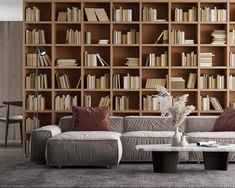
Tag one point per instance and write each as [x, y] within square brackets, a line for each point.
[31, 124]
[35, 36]
[32, 80]
[192, 80]
[98, 83]
[151, 102]
[35, 103]
[65, 102]
[87, 100]
[73, 36]
[131, 37]
[131, 82]
[187, 16]
[206, 101]
[188, 59]
[205, 59]
[104, 101]
[96, 14]
[231, 59]
[66, 62]
[231, 82]
[163, 38]
[91, 60]
[212, 82]
[157, 61]
[71, 15]
[133, 61]
[122, 15]
[122, 103]
[33, 59]
[116, 83]
[231, 37]
[178, 37]
[219, 37]
[63, 81]
[32, 14]
[177, 83]
[213, 15]
[155, 83]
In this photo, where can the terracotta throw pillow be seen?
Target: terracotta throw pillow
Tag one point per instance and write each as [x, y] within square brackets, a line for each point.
[91, 119]
[226, 121]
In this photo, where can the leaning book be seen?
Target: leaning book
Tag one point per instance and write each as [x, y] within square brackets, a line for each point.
[212, 144]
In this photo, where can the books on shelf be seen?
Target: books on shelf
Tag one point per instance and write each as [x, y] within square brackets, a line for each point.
[155, 83]
[151, 102]
[116, 81]
[178, 37]
[131, 37]
[35, 103]
[205, 59]
[31, 124]
[149, 14]
[104, 101]
[73, 36]
[66, 62]
[177, 83]
[192, 80]
[122, 15]
[185, 16]
[71, 15]
[131, 82]
[157, 61]
[87, 37]
[35, 36]
[132, 61]
[188, 59]
[231, 82]
[207, 101]
[65, 102]
[96, 14]
[219, 37]
[32, 14]
[90, 60]
[231, 37]
[163, 37]
[103, 41]
[102, 82]
[31, 81]
[121, 103]
[212, 82]
[32, 59]
[213, 14]
[87, 100]
[231, 59]
[63, 81]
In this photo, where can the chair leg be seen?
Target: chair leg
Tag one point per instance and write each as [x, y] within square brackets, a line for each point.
[21, 133]
[6, 133]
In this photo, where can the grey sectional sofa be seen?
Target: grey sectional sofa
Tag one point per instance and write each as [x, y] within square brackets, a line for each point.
[59, 146]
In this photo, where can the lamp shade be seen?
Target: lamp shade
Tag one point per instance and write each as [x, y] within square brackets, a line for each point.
[41, 51]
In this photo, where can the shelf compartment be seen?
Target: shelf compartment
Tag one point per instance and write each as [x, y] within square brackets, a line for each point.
[95, 97]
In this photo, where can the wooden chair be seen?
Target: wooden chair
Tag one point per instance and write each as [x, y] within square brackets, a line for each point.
[16, 119]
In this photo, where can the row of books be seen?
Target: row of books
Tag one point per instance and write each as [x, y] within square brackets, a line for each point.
[66, 62]
[151, 102]
[34, 102]
[131, 82]
[31, 81]
[96, 14]
[71, 15]
[185, 16]
[231, 37]
[104, 101]
[132, 61]
[31, 124]
[35, 36]
[205, 59]
[131, 37]
[32, 14]
[192, 80]
[73, 36]
[177, 83]
[149, 14]
[207, 102]
[178, 37]
[63, 81]
[231, 59]
[213, 14]
[87, 100]
[122, 15]
[34, 60]
[155, 83]
[98, 83]
[122, 103]
[157, 61]
[218, 37]
[212, 82]
[231, 82]
[188, 59]
[91, 60]
[65, 102]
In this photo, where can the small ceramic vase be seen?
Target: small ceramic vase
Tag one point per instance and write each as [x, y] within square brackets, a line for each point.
[183, 141]
[176, 137]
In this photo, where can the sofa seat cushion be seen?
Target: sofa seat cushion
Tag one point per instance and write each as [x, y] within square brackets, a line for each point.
[131, 139]
[222, 137]
[84, 148]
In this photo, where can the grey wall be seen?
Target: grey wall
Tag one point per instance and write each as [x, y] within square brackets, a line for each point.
[10, 70]
[11, 10]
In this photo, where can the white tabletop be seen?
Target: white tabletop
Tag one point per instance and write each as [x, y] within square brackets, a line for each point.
[190, 147]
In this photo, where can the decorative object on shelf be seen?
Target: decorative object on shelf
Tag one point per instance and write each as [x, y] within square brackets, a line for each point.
[183, 141]
[176, 138]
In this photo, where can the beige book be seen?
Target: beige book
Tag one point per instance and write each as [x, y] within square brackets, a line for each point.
[101, 14]
[90, 14]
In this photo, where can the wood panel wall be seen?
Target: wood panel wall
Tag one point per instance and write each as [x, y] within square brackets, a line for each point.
[11, 39]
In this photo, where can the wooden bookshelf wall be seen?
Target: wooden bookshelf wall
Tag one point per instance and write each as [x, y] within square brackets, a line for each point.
[115, 54]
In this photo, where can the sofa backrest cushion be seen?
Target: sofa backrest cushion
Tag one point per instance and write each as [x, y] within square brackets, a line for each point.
[200, 123]
[116, 123]
[149, 123]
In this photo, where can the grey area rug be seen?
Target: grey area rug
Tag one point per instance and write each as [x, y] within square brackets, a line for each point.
[21, 172]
